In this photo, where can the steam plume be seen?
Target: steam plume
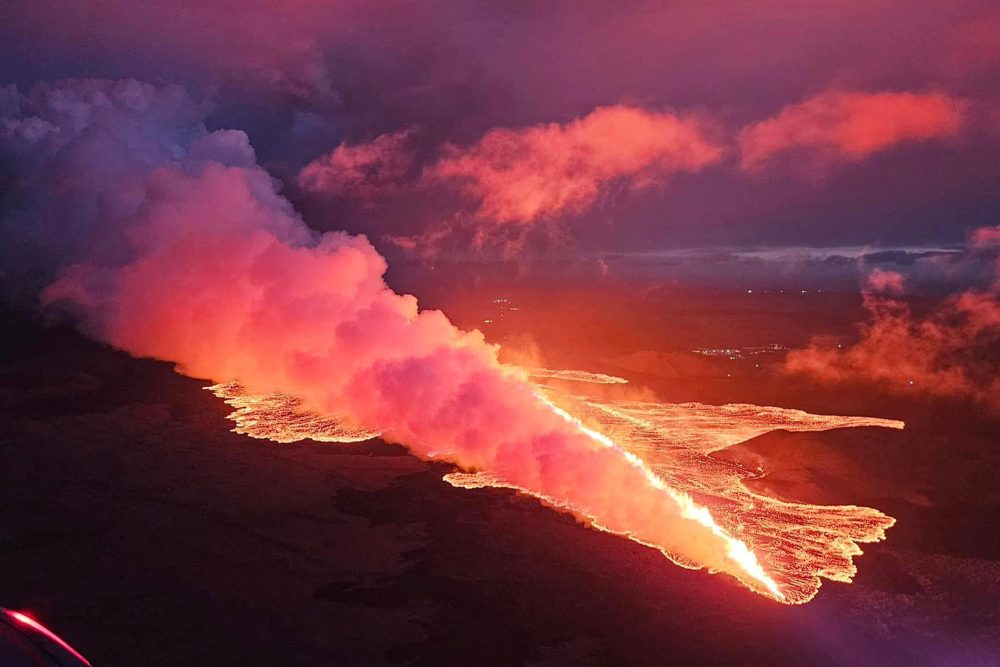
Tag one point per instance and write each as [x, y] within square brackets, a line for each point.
[170, 242]
[946, 352]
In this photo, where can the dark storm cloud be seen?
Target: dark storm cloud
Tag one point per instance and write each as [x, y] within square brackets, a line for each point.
[903, 257]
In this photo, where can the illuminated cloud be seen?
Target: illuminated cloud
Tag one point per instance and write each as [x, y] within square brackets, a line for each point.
[850, 126]
[947, 352]
[885, 282]
[541, 173]
[360, 171]
[987, 236]
[303, 78]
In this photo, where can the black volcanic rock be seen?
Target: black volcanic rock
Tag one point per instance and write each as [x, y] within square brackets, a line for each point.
[145, 532]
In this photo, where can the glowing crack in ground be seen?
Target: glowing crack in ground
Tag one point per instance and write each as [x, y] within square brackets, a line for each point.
[795, 544]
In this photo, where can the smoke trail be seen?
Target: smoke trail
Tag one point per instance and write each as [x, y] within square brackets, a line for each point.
[950, 351]
[168, 241]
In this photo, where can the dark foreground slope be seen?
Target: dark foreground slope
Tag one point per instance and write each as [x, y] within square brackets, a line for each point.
[144, 532]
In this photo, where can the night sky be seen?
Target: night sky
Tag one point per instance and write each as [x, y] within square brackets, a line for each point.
[303, 77]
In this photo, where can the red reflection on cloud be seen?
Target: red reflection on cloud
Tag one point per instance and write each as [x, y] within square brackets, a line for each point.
[850, 126]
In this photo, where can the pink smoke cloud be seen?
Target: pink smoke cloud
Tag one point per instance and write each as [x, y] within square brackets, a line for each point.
[881, 281]
[205, 265]
[850, 126]
[520, 177]
[950, 351]
[360, 171]
[987, 236]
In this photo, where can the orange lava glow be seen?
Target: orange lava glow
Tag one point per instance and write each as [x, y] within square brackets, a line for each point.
[281, 418]
[573, 376]
[780, 549]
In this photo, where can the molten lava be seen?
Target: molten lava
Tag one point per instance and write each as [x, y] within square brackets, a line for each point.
[780, 549]
[283, 418]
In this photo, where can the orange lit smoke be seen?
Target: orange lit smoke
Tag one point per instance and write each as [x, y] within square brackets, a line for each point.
[784, 548]
[946, 352]
[224, 280]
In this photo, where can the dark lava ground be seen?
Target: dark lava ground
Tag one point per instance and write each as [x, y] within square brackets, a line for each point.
[144, 532]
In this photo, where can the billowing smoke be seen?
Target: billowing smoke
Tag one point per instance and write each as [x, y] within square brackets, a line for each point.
[168, 241]
[949, 351]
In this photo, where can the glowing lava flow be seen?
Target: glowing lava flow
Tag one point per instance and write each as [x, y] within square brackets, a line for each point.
[737, 550]
[282, 418]
[574, 376]
[797, 544]
[781, 549]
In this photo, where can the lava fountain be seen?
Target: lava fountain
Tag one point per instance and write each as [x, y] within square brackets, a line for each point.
[782, 549]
